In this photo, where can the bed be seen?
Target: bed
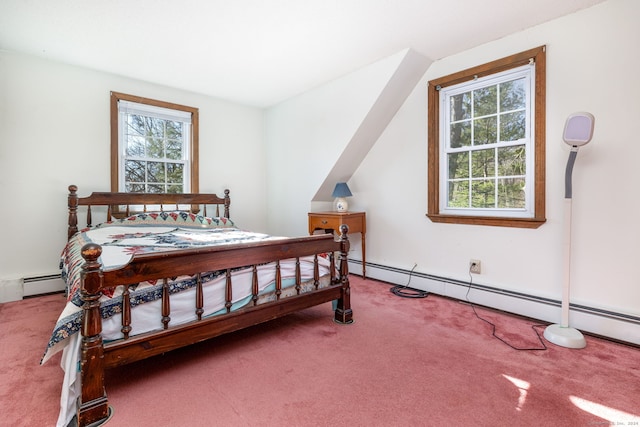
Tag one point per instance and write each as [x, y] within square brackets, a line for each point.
[159, 274]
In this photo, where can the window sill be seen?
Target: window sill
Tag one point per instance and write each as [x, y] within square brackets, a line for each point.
[486, 220]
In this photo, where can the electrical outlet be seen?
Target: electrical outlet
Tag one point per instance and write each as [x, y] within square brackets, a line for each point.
[474, 266]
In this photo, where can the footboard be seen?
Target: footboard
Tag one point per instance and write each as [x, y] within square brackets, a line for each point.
[96, 356]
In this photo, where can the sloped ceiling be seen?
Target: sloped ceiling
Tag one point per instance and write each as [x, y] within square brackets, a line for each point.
[258, 52]
[396, 89]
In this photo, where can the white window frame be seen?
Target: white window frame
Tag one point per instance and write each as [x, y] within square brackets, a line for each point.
[126, 108]
[528, 73]
[115, 150]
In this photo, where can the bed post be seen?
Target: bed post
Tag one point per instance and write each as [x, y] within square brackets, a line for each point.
[343, 312]
[72, 202]
[92, 404]
[227, 202]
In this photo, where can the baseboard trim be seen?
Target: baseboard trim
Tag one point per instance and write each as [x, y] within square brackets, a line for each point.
[592, 320]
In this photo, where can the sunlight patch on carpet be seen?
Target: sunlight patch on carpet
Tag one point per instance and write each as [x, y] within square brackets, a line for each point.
[523, 387]
[614, 416]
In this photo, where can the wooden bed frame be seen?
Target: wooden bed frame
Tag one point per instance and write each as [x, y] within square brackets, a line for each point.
[97, 356]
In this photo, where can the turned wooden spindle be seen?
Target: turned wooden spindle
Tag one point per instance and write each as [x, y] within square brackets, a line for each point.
[126, 312]
[254, 285]
[228, 291]
[332, 268]
[166, 304]
[316, 271]
[278, 280]
[199, 297]
[89, 217]
[298, 276]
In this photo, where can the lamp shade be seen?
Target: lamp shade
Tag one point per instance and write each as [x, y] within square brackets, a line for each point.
[341, 190]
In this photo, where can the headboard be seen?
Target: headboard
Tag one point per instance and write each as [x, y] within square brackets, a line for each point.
[115, 202]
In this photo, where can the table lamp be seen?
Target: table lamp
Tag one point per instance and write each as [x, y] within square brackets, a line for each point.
[340, 193]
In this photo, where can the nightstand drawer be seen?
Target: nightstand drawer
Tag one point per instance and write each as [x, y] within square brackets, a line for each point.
[324, 223]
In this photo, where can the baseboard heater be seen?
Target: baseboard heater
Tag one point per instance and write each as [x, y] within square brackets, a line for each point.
[38, 285]
[597, 321]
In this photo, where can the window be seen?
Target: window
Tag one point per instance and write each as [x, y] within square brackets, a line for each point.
[486, 138]
[154, 146]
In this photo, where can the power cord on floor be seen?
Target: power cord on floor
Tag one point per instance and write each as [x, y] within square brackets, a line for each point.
[405, 291]
[493, 326]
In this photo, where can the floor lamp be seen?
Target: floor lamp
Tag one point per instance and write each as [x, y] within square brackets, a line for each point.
[578, 131]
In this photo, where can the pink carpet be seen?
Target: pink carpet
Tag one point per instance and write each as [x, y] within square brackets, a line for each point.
[404, 362]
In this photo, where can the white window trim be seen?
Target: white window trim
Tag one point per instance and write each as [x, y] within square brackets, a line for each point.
[128, 107]
[526, 71]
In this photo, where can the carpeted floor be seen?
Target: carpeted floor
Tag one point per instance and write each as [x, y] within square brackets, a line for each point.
[404, 362]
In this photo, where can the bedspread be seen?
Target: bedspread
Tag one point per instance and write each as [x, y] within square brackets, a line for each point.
[145, 233]
[153, 232]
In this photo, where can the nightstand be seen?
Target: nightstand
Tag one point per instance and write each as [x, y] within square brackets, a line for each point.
[331, 221]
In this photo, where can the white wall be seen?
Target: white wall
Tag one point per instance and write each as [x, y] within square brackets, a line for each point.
[591, 64]
[54, 131]
[587, 70]
[306, 135]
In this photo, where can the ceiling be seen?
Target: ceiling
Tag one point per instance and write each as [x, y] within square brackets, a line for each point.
[257, 52]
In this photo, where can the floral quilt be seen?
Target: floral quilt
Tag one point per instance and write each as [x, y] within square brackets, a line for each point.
[143, 233]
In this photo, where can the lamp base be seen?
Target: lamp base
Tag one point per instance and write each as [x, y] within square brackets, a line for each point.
[565, 336]
[341, 204]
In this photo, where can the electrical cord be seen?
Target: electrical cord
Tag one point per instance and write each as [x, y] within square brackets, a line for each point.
[405, 292]
[493, 326]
